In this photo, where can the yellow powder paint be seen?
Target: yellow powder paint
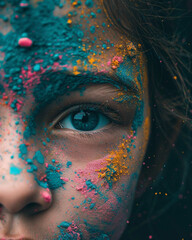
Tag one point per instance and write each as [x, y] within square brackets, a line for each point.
[118, 161]
[123, 96]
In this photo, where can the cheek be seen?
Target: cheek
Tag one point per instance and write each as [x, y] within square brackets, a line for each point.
[100, 200]
[92, 206]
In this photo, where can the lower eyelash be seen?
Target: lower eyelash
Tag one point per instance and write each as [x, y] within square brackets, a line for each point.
[97, 133]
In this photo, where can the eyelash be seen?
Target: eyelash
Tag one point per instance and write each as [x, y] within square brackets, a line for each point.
[108, 112]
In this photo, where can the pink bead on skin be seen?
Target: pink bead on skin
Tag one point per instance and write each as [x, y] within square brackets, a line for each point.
[46, 196]
[25, 42]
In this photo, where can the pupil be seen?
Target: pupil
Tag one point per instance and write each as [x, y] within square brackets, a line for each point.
[85, 120]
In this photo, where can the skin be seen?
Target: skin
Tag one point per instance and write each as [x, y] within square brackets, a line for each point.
[28, 209]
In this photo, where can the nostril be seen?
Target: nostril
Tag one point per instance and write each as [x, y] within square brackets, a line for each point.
[32, 209]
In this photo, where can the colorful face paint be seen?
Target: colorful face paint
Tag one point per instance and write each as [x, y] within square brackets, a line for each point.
[74, 121]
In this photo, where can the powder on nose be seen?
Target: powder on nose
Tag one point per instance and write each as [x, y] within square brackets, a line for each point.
[46, 196]
[14, 170]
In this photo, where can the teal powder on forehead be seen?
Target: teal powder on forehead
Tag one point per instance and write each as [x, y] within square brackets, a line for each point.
[51, 38]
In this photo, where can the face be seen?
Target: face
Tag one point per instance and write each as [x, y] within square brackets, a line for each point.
[74, 121]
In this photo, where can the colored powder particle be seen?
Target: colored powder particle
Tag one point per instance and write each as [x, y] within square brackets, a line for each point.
[103, 237]
[69, 231]
[69, 164]
[139, 116]
[37, 68]
[16, 122]
[90, 185]
[92, 29]
[29, 161]
[46, 196]
[89, 3]
[33, 168]
[92, 205]
[14, 170]
[2, 4]
[93, 15]
[25, 42]
[41, 183]
[64, 224]
[53, 177]
[24, 4]
[39, 157]
[117, 163]
[116, 62]
[23, 150]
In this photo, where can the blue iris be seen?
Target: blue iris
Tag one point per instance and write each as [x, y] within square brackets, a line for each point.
[84, 120]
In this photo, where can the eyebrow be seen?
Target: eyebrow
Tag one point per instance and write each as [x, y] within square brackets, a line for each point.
[54, 83]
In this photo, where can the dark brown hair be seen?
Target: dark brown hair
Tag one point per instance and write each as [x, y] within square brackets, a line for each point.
[162, 28]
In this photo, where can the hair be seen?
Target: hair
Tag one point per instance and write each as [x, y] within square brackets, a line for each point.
[162, 28]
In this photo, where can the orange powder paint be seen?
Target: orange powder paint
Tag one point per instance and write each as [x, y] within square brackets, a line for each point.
[118, 161]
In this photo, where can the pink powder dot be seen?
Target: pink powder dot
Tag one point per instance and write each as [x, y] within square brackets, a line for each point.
[150, 237]
[46, 196]
[25, 42]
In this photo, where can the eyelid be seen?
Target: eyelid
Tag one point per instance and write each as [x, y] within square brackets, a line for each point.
[107, 111]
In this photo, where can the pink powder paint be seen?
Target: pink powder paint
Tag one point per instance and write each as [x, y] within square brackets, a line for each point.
[46, 196]
[25, 42]
[89, 173]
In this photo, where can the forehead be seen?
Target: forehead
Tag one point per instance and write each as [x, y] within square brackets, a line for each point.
[48, 35]
[58, 25]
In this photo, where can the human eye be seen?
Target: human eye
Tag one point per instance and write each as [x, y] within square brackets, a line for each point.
[87, 118]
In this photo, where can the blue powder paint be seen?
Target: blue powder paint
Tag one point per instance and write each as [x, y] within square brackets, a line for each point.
[92, 205]
[64, 225]
[90, 185]
[69, 164]
[89, 3]
[29, 161]
[41, 183]
[65, 235]
[16, 122]
[95, 234]
[104, 46]
[2, 4]
[14, 170]
[139, 117]
[39, 157]
[23, 150]
[93, 15]
[92, 29]
[54, 180]
[37, 68]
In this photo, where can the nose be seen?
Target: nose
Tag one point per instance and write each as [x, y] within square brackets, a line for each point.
[19, 190]
[23, 195]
